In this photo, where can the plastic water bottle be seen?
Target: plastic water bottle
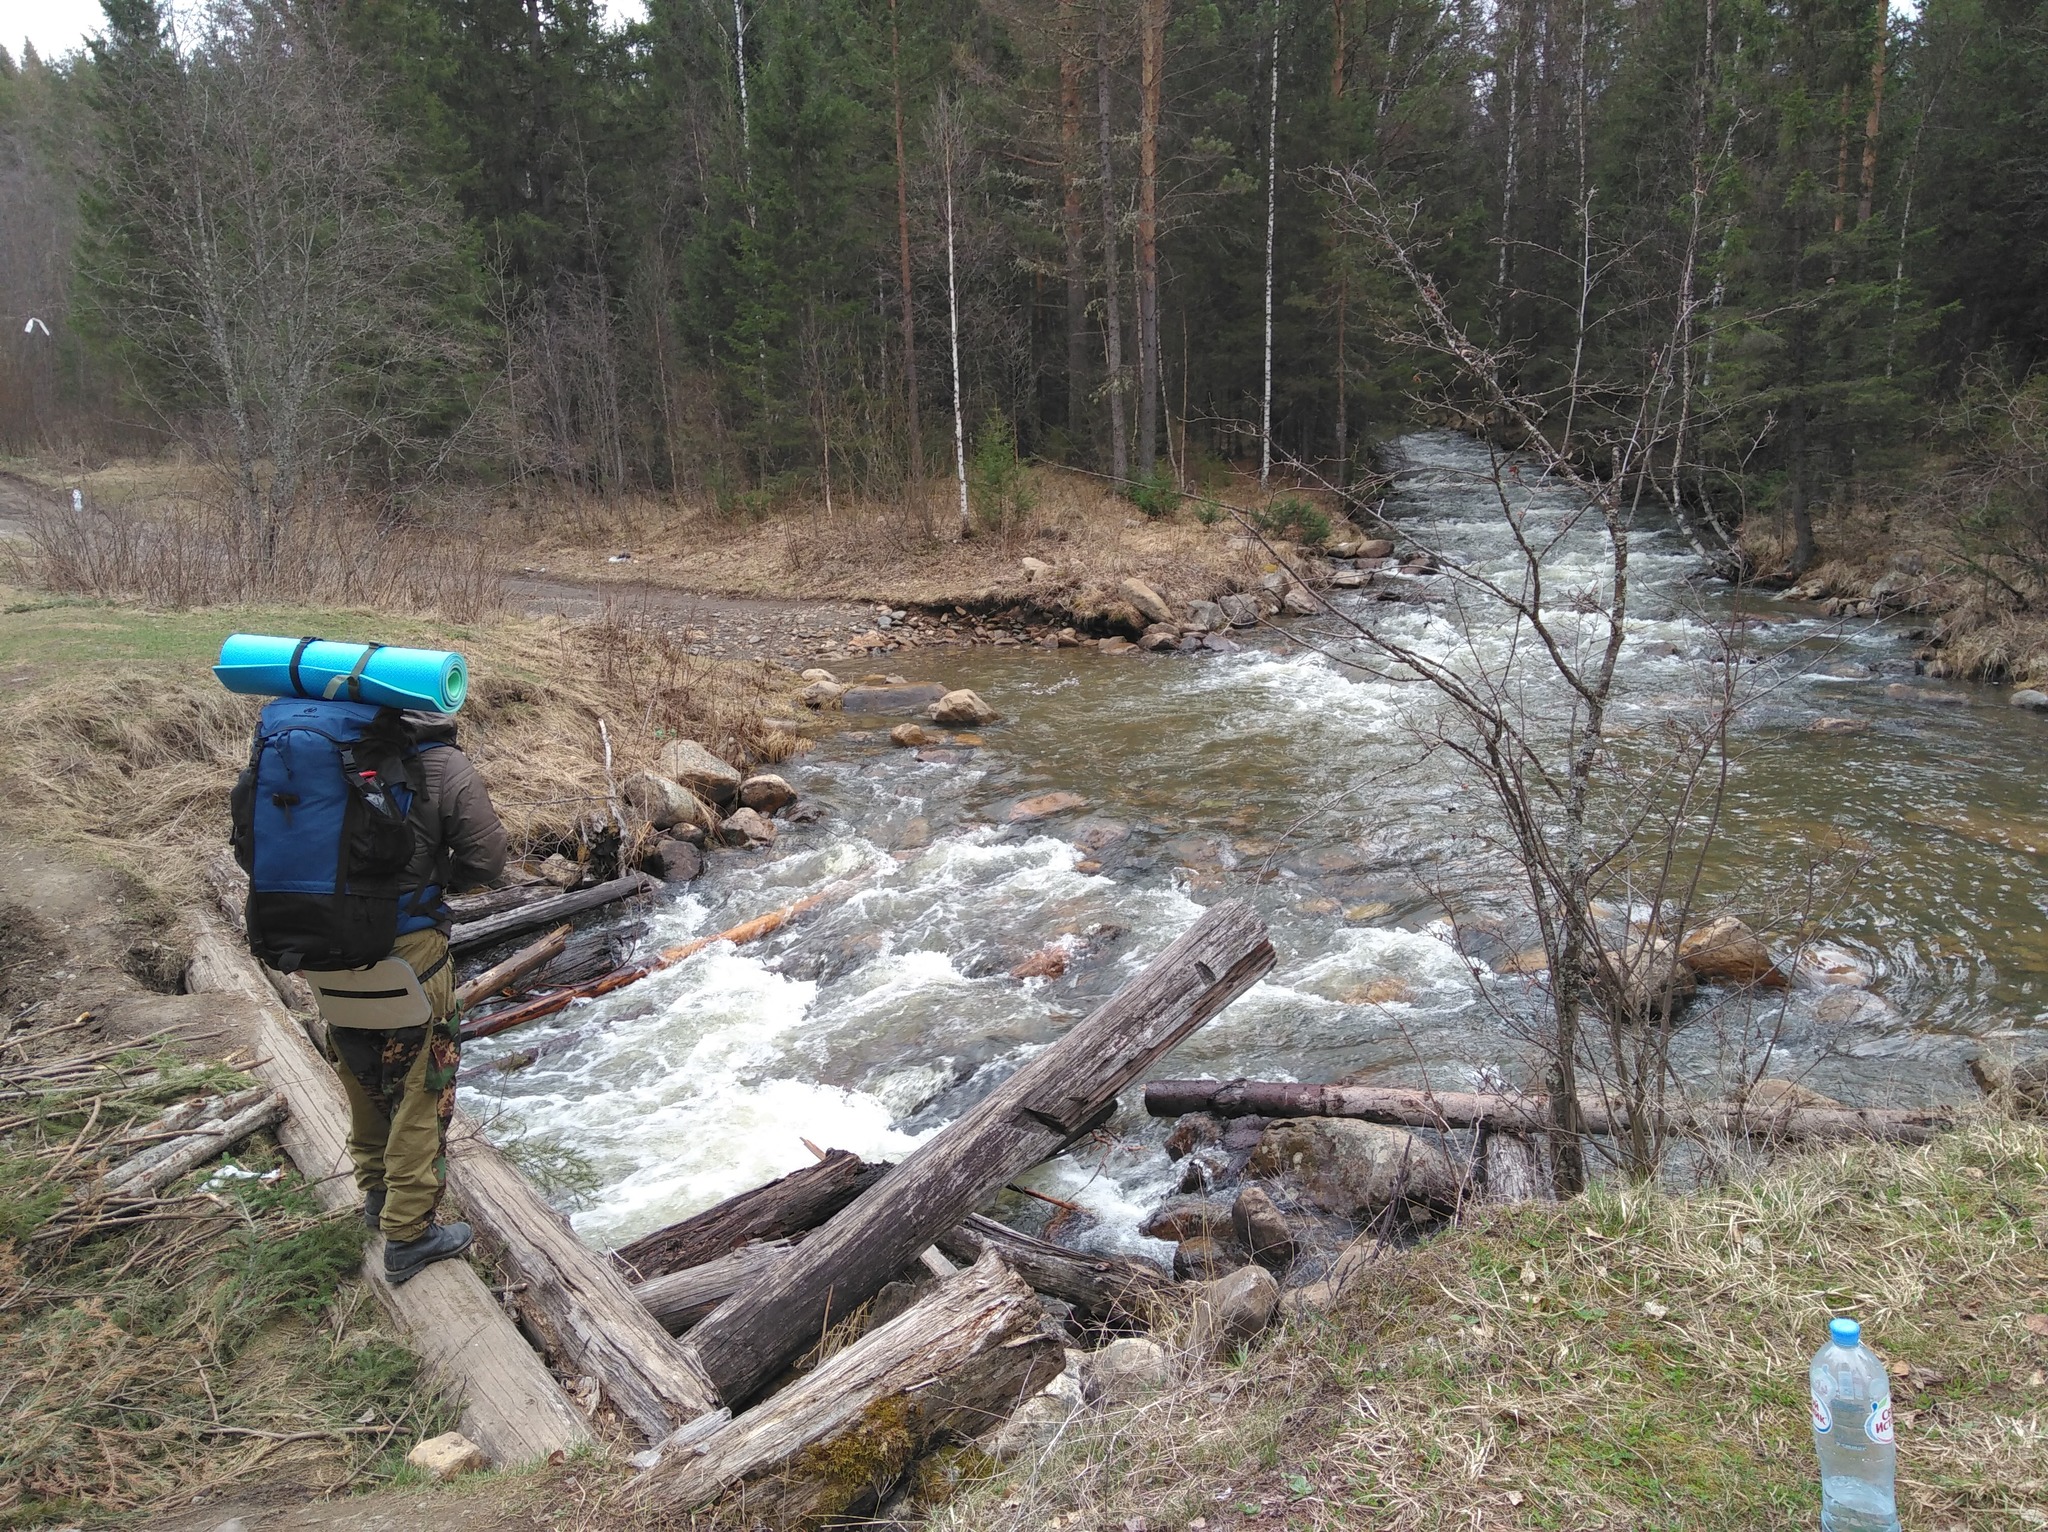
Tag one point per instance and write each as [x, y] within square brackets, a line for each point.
[1852, 1431]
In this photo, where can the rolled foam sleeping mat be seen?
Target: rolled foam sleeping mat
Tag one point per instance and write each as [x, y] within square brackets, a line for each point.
[431, 680]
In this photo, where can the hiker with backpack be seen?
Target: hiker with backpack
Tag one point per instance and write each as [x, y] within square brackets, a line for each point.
[353, 820]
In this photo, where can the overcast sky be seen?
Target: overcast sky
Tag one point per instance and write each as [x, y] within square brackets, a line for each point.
[58, 26]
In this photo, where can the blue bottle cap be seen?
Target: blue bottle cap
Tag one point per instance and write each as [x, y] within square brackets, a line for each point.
[1845, 1332]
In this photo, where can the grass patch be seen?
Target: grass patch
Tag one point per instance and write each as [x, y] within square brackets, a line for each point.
[1630, 1360]
[157, 1349]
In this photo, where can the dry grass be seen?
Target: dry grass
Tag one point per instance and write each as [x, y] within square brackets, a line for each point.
[136, 755]
[1630, 1360]
[886, 552]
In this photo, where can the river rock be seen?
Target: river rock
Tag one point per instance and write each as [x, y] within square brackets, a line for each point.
[1375, 548]
[1204, 1258]
[1229, 1311]
[1043, 806]
[676, 861]
[1094, 835]
[1151, 606]
[447, 1456]
[1217, 643]
[767, 793]
[961, 709]
[1654, 981]
[1856, 1008]
[887, 697]
[1159, 636]
[1241, 610]
[561, 871]
[1826, 966]
[1205, 616]
[1126, 1370]
[1262, 1228]
[1299, 602]
[1725, 951]
[703, 773]
[1357, 1169]
[817, 673]
[745, 827]
[1046, 963]
[1837, 726]
[662, 803]
[1905, 693]
[1115, 646]
[1183, 1217]
[822, 695]
[1032, 1427]
[1190, 1132]
[911, 736]
[2029, 698]
[1774, 1095]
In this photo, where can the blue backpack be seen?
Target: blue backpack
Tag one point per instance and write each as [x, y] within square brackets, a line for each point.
[321, 823]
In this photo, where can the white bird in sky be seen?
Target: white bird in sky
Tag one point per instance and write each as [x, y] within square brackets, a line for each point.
[34, 324]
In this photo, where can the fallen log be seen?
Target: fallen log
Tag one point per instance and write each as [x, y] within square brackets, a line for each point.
[795, 1203]
[492, 928]
[511, 1406]
[1104, 1289]
[516, 967]
[1061, 1093]
[572, 1294]
[495, 901]
[680, 1299]
[838, 1439]
[157, 1167]
[668, 957]
[1529, 1114]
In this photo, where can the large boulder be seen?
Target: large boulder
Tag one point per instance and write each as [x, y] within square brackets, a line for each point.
[747, 827]
[912, 736]
[889, 697]
[1203, 1258]
[822, 694]
[1229, 1311]
[1262, 1228]
[1357, 1169]
[663, 803]
[1126, 1370]
[1205, 616]
[2031, 698]
[1241, 610]
[1179, 1218]
[675, 861]
[767, 793]
[1654, 983]
[1725, 951]
[961, 709]
[1149, 603]
[687, 762]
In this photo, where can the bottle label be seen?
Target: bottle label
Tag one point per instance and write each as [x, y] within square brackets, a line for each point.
[1880, 1426]
[1823, 1419]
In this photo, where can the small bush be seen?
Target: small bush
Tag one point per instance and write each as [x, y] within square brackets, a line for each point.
[1208, 513]
[997, 485]
[1292, 517]
[1156, 494]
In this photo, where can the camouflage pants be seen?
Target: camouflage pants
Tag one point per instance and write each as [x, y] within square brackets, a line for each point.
[401, 1096]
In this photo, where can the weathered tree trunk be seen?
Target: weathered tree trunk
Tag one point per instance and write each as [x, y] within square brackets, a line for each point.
[799, 1201]
[1112, 315]
[528, 959]
[1152, 15]
[1070, 220]
[1867, 199]
[1272, 202]
[838, 1439]
[492, 928]
[1103, 1289]
[1526, 1114]
[1063, 1092]
[681, 1299]
[511, 1407]
[903, 269]
[573, 1294]
[1512, 1168]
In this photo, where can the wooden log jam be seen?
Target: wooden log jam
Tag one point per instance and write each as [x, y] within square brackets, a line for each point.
[680, 1299]
[1063, 1092]
[576, 1297]
[1527, 1114]
[491, 928]
[511, 1406]
[836, 1441]
[533, 956]
[1102, 1288]
[791, 1205]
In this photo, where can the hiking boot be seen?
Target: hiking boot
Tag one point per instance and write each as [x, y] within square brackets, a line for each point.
[406, 1259]
[373, 1209]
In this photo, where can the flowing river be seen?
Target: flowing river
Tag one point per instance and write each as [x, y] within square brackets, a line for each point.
[1282, 776]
